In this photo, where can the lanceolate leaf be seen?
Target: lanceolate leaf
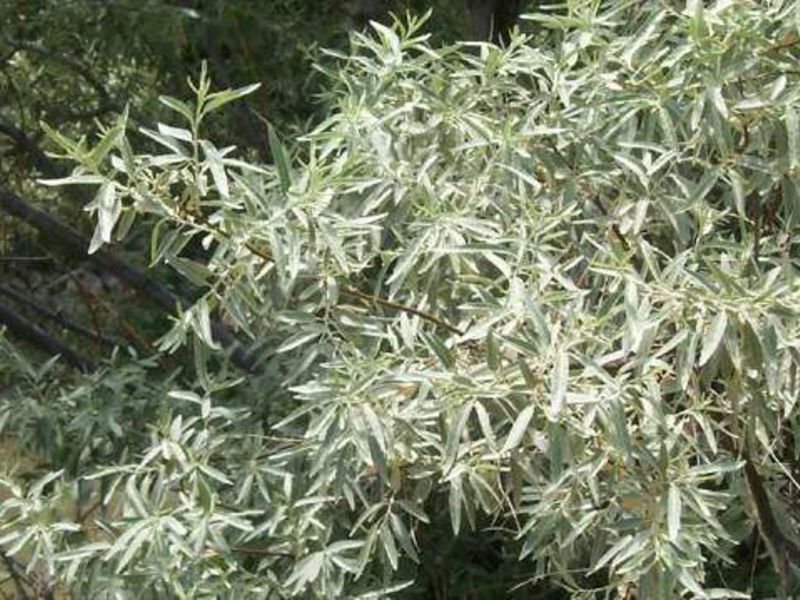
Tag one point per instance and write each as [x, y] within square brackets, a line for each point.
[713, 337]
[280, 158]
[518, 429]
[673, 512]
[559, 383]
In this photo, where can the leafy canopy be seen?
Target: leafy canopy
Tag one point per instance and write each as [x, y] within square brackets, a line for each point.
[549, 286]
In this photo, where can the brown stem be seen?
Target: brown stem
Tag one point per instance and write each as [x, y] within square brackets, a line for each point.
[81, 516]
[614, 227]
[782, 46]
[262, 551]
[595, 199]
[351, 291]
[87, 301]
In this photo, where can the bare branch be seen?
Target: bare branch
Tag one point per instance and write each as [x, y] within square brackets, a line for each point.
[30, 332]
[57, 318]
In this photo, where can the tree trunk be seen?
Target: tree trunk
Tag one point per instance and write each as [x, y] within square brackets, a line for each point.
[30, 332]
[493, 20]
[371, 10]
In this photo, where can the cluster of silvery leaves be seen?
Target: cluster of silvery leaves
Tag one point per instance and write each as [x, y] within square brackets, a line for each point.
[552, 283]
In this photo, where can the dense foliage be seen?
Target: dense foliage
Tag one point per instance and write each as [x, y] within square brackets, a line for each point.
[531, 308]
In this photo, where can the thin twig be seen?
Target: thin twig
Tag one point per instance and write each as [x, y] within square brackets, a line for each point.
[87, 301]
[402, 307]
[26, 258]
[351, 291]
[81, 516]
[595, 199]
[262, 552]
[754, 556]
[781, 46]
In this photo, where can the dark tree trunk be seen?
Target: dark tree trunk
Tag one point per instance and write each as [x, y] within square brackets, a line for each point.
[32, 333]
[76, 245]
[493, 20]
[371, 10]
[55, 317]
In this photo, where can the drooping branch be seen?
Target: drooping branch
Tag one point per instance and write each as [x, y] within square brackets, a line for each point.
[55, 232]
[30, 332]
